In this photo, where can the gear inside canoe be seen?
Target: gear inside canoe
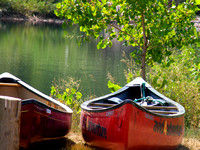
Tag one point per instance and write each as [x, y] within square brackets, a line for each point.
[138, 94]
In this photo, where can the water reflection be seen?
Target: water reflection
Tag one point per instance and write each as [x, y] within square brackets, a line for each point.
[38, 54]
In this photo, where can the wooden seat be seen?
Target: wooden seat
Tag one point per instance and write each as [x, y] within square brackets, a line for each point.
[102, 104]
[163, 112]
[161, 107]
[93, 107]
[10, 84]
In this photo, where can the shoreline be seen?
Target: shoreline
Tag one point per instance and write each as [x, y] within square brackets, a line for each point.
[34, 19]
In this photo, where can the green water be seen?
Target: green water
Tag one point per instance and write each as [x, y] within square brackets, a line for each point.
[39, 53]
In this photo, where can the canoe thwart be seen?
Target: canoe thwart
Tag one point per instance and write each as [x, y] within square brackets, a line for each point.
[10, 84]
[94, 107]
[163, 112]
[102, 104]
[160, 107]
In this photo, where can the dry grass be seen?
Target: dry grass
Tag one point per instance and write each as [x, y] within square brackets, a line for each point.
[191, 140]
[190, 144]
[76, 137]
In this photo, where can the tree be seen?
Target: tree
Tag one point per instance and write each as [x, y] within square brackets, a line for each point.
[151, 25]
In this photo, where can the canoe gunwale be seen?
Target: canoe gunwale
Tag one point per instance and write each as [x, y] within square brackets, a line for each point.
[135, 105]
[9, 78]
[180, 108]
[40, 94]
[43, 105]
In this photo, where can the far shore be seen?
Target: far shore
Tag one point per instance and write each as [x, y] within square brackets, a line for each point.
[56, 20]
[34, 19]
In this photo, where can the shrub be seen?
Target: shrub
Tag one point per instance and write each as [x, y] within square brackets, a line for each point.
[178, 78]
[67, 92]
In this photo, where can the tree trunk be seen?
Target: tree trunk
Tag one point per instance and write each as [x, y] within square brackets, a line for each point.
[144, 50]
[143, 71]
[10, 110]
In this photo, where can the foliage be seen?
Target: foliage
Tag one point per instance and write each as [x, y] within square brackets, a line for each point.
[197, 2]
[130, 73]
[153, 26]
[67, 92]
[132, 67]
[111, 84]
[174, 79]
[113, 87]
[29, 7]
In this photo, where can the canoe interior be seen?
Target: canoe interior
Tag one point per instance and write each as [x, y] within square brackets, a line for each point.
[18, 91]
[155, 105]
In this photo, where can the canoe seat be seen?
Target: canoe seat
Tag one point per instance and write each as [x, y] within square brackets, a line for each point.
[161, 107]
[93, 107]
[163, 112]
[100, 105]
[10, 84]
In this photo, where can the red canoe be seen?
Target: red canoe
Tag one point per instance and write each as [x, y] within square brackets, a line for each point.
[135, 117]
[42, 117]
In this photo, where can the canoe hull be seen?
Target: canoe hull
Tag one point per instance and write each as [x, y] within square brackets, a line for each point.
[39, 122]
[127, 126]
[42, 117]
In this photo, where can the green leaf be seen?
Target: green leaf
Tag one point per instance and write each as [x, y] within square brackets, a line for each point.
[110, 44]
[130, 77]
[73, 91]
[58, 5]
[53, 90]
[99, 44]
[133, 55]
[113, 87]
[198, 66]
[78, 95]
[67, 90]
[197, 2]
[120, 39]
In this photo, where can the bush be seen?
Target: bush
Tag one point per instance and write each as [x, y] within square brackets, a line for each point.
[178, 78]
[67, 92]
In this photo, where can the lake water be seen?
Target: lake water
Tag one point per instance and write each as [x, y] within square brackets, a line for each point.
[39, 53]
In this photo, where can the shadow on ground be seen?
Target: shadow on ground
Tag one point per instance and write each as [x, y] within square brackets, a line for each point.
[182, 147]
[67, 144]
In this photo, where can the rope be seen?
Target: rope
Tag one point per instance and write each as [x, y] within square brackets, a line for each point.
[148, 98]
